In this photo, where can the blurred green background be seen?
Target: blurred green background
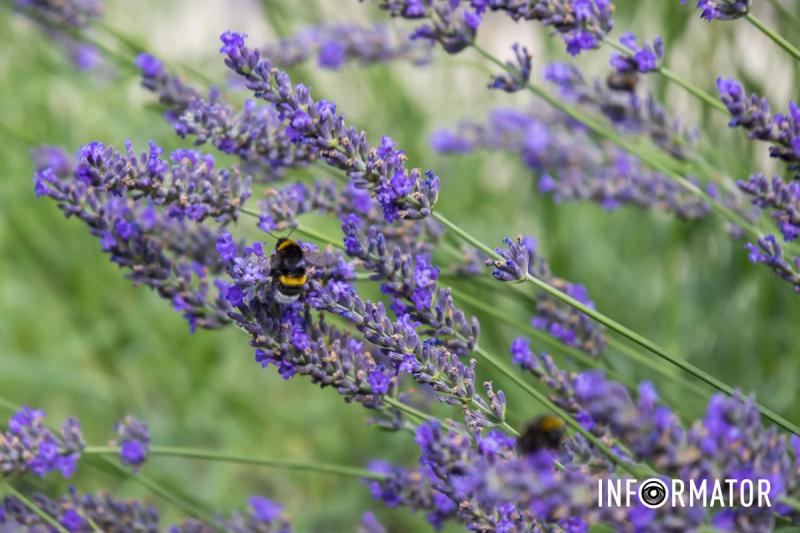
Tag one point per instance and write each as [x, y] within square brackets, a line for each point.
[76, 338]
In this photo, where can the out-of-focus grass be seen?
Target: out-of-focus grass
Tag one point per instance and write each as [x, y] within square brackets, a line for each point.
[76, 338]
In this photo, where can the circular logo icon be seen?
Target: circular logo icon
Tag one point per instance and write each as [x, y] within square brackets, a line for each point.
[653, 493]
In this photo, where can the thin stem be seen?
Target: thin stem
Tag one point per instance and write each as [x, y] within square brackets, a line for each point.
[35, 508]
[208, 455]
[693, 89]
[619, 328]
[304, 230]
[775, 36]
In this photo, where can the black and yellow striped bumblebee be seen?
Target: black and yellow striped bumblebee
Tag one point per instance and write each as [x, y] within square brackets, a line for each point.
[546, 431]
[289, 268]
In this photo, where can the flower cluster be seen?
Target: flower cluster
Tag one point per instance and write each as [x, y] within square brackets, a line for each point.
[723, 9]
[60, 19]
[401, 192]
[133, 441]
[768, 251]
[28, 445]
[646, 58]
[518, 72]
[188, 185]
[570, 165]
[290, 336]
[553, 316]
[255, 135]
[426, 360]
[410, 280]
[753, 114]
[336, 44]
[172, 253]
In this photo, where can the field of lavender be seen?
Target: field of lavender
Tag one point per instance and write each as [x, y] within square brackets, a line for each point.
[541, 243]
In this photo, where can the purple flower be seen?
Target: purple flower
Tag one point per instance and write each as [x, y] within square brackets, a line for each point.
[133, 441]
[646, 58]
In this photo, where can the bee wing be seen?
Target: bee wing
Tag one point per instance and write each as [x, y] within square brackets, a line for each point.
[317, 258]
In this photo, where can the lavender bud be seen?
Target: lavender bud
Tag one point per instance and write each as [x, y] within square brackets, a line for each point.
[133, 442]
[518, 74]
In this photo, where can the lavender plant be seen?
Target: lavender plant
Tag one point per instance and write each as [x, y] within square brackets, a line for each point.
[179, 225]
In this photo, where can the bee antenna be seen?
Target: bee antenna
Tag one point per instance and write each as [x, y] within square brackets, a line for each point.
[290, 232]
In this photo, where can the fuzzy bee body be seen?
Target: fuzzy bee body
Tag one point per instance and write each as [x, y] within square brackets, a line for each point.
[290, 269]
[622, 81]
[546, 431]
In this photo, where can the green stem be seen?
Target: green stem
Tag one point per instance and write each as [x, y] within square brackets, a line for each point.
[303, 230]
[616, 326]
[36, 509]
[208, 455]
[693, 89]
[775, 36]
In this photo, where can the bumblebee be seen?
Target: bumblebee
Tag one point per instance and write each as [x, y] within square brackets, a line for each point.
[622, 81]
[546, 431]
[289, 268]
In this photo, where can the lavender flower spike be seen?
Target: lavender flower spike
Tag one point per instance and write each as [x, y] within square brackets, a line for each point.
[723, 9]
[402, 192]
[518, 74]
[28, 446]
[754, 115]
[189, 185]
[336, 44]
[646, 58]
